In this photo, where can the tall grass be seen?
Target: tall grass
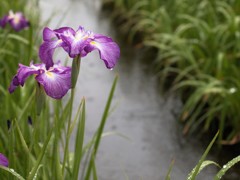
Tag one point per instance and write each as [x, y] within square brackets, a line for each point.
[198, 45]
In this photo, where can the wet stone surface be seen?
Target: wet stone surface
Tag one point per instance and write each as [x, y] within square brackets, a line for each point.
[140, 113]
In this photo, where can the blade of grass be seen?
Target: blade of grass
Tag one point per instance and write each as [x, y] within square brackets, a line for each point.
[100, 129]
[193, 174]
[168, 177]
[79, 142]
[13, 172]
[43, 152]
[227, 167]
[94, 171]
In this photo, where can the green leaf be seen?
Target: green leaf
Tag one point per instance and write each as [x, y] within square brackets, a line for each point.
[193, 174]
[168, 177]
[227, 167]
[35, 168]
[13, 172]
[79, 142]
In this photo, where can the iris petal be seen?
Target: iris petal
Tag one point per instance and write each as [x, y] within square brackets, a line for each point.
[48, 34]
[75, 41]
[3, 160]
[46, 51]
[23, 73]
[3, 21]
[109, 51]
[56, 83]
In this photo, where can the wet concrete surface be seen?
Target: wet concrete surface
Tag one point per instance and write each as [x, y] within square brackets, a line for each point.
[139, 111]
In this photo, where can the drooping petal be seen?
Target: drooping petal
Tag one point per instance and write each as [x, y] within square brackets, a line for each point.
[3, 160]
[14, 84]
[23, 73]
[109, 51]
[46, 51]
[56, 81]
[52, 41]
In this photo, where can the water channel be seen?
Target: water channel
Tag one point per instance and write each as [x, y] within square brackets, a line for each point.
[140, 112]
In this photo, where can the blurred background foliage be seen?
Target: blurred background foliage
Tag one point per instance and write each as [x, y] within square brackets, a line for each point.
[17, 110]
[198, 56]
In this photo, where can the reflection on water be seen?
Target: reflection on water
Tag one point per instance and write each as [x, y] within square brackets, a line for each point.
[140, 113]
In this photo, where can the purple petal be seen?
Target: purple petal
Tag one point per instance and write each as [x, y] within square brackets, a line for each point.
[66, 31]
[23, 73]
[109, 51]
[3, 160]
[3, 21]
[46, 51]
[14, 84]
[51, 42]
[56, 81]
[76, 41]
[48, 34]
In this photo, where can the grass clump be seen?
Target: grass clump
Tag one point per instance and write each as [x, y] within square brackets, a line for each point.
[198, 45]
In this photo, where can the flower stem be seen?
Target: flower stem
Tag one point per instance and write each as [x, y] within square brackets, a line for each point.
[74, 77]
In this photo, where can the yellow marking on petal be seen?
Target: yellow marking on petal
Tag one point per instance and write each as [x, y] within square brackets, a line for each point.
[59, 41]
[16, 20]
[49, 74]
[93, 43]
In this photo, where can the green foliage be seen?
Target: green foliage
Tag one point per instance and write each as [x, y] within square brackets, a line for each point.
[198, 43]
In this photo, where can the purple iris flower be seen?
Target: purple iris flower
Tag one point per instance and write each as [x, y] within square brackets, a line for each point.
[3, 160]
[16, 20]
[80, 42]
[55, 80]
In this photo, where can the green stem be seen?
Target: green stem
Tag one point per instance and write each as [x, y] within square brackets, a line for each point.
[75, 72]
[56, 161]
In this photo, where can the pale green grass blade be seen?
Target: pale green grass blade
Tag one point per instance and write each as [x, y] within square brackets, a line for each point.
[57, 171]
[95, 177]
[11, 171]
[76, 117]
[18, 38]
[110, 133]
[226, 167]
[168, 176]
[27, 104]
[79, 142]
[205, 164]
[34, 170]
[193, 174]
[22, 140]
[56, 165]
